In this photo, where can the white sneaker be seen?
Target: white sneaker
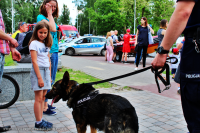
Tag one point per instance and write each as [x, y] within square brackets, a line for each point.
[136, 68]
[111, 62]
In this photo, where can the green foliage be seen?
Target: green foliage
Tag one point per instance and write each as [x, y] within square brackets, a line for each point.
[153, 10]
[5, 6]
[64, 18]
[26, 11]
[9, 61]
[107, 16]
[161, 9]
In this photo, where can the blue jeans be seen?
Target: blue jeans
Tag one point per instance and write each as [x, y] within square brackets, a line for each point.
[140, 56]
[1, 65]
[54, 65]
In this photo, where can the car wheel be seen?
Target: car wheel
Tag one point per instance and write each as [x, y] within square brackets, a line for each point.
[103, 52]
[69, 51]
[119, 56]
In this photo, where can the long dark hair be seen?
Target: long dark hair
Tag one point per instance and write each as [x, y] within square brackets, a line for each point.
[43, 8]
[146, 22]
[48, 40]
[163, 24]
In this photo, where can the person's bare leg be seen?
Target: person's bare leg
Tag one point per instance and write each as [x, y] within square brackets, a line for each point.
[126, 56]
[123, 57]
[44, 105]
[38, 104]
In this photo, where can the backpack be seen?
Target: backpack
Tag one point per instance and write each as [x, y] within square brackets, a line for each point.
[23, 41]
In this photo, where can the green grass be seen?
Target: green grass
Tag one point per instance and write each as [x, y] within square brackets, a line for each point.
[164, 72]
[9, 61]
[81, 77]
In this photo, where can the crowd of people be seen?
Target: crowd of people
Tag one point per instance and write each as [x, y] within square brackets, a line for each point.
[43, 49]
[141, 42]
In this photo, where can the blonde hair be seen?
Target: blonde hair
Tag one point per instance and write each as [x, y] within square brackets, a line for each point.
[108, 34]
[48, 40]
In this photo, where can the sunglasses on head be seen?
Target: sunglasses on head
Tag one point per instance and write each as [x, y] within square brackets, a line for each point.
[23, 23]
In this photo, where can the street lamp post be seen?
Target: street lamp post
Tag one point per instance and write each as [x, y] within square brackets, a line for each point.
[134, 16]
[77, 18]
[12, 16]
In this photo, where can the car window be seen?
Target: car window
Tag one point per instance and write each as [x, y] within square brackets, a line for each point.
[95, 40]
[84, 40]
[103, 39]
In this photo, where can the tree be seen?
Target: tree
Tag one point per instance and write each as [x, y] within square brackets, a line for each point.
[107, 16]
[64, 18]
[161, 9]
[26, 11]
[5, 6]
[153, 10]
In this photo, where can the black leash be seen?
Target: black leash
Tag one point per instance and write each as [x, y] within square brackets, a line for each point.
[156, 72]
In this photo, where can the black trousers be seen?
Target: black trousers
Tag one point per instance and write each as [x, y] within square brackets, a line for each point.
[190, 99]
[144, 55]
[190, 87]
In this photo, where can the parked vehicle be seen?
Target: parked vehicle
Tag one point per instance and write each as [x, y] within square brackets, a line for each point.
[87, 35]
[151, 48]
[84, 45]
[68, 29]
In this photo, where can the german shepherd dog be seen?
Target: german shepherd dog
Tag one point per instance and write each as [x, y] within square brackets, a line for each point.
[104, 112]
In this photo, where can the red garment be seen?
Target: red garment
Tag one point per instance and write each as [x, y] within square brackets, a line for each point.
[126, 46]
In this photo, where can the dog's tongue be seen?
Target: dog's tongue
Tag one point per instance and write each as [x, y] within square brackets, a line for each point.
[53, 100]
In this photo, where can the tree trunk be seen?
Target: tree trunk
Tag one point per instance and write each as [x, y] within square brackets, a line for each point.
[143, 11]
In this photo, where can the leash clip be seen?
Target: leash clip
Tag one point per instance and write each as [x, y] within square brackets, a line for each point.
[166, 88]
[196, 46]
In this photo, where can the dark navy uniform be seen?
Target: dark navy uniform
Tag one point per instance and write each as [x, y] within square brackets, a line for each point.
[190, 73]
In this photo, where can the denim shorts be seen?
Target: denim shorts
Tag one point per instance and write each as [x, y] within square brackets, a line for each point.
[45, 73]
[2, 61]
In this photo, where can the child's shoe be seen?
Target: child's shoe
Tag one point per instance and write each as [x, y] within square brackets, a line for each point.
[44, 126]
[49, 112]
[51, 108]
[48, 122]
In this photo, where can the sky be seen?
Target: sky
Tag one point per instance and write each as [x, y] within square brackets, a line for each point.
[72, 8]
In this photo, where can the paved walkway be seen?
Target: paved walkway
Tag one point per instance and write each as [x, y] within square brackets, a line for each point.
[157, 113]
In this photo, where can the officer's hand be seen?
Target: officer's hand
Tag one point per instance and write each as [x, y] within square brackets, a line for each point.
[15, 54]
[159, 61]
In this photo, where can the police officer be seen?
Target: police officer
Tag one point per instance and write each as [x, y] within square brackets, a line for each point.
[186, 19]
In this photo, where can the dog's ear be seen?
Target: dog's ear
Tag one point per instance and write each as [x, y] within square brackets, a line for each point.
[65, 79]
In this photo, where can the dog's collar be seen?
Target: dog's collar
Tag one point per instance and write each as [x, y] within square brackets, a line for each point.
[85, 99]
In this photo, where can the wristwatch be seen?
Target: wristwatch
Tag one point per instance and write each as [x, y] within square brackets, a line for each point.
[161, 50]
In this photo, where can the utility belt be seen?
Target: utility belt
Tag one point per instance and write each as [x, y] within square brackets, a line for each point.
[195, 34]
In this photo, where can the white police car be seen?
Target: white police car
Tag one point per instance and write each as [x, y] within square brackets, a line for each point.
[84, 45]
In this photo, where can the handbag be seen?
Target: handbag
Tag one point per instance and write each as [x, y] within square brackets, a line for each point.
[150, 37]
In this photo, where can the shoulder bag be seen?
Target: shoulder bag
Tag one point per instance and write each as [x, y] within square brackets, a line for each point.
[150, 36]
